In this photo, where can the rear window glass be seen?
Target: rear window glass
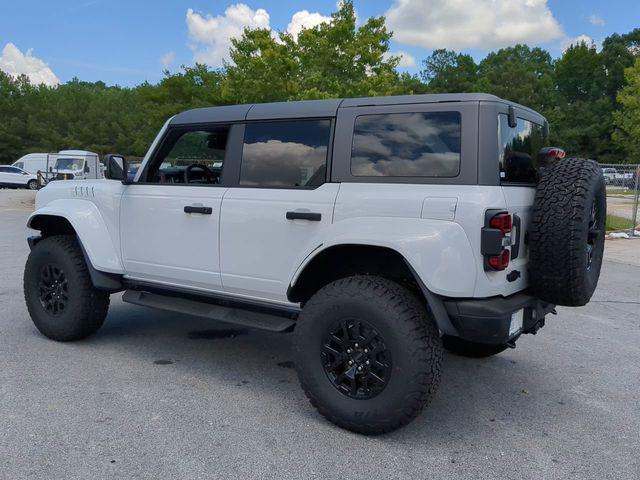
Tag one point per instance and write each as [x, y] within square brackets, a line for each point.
[519, 147]
[407, 145]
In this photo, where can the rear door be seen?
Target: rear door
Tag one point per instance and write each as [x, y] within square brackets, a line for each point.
[278, 209]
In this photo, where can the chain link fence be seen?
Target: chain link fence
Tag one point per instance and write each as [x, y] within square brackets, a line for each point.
[623, 191]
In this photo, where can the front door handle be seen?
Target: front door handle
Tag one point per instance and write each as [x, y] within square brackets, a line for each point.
[311, 216]
[202, 210]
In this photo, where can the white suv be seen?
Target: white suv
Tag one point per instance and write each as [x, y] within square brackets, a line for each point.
[380, 230]
[14, 177]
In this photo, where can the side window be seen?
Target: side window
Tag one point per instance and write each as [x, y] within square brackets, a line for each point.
[190, 156]
[4, 170]
[285, 154]
[20, 165]
[519, 149]
[423, 144]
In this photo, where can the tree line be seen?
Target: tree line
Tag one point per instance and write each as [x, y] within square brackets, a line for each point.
[591, 97]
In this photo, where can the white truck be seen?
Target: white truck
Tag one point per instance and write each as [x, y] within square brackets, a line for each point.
[64, 165]
[379, 230]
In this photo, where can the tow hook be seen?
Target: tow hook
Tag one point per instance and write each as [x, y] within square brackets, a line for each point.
[511, 344]
[535, 327]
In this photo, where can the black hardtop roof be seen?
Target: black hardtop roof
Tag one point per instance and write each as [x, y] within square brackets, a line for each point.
[319, 108]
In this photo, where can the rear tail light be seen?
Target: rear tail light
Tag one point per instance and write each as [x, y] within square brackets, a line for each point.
[496, 238]
[501, 261]
[502, 222]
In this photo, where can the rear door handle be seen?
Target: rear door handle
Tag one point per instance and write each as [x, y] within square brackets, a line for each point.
[311, 216]
[202, 210]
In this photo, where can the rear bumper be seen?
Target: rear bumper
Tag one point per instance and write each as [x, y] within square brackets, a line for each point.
[488, 320]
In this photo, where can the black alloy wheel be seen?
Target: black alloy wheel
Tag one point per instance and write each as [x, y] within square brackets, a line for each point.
[356, 359]
[54, 289]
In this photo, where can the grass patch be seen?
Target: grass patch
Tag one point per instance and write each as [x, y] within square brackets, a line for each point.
[618, 223]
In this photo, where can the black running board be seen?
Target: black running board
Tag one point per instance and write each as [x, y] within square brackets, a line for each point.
[246, 318]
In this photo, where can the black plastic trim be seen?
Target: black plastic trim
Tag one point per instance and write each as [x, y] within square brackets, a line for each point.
[252, 319]
[214, 298]
[436, 305]
[487, 320]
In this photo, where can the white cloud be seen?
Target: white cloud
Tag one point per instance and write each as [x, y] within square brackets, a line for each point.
[568, 42]
[472, 23]
[167, 59]
[597, 20]
[406, 60]
[211, 36]
[14, 62]
[305, 19]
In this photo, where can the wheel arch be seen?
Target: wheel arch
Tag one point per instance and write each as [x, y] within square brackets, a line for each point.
[343, 260]
[90, 229]
[50, 225]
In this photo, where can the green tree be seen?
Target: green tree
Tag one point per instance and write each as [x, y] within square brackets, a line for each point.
[627, 120]
[580, 73]
[582, 119]
[521, 74]
[618, 53]
[334, 59]
[446, 71]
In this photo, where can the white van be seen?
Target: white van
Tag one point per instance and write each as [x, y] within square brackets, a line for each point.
[66, 164]
[32, 162]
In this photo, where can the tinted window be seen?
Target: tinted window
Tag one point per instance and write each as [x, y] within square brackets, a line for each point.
[20, 165]
[4, 169]
[192, 156]
[519, 147]
[407, 145]
[285, 154]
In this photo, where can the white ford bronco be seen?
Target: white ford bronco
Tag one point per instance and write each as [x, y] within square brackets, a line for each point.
[379, 230]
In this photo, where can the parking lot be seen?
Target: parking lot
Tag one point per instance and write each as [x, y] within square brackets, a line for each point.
[160, 395]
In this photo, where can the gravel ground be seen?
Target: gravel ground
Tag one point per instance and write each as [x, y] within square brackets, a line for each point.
[158, 395]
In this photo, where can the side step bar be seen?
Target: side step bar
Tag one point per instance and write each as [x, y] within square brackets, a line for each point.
[246, 318]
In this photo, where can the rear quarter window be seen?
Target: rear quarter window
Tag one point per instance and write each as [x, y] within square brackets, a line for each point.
[425, 144]
[519, 147]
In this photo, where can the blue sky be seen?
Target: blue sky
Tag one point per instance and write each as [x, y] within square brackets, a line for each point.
[125, 42]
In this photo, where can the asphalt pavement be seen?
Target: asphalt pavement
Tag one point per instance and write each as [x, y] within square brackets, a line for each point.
[160, 396]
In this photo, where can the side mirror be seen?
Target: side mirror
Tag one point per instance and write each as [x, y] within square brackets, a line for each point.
[116, 167]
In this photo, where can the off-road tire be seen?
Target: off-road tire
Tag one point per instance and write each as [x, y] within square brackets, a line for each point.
[410, 335]
[563, 229]
[464, 348]
[86, 307]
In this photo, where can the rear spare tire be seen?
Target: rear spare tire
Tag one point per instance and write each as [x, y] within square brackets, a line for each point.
[566, 236]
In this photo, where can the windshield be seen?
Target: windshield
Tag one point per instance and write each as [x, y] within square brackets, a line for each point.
[519, 147]
[69, 164]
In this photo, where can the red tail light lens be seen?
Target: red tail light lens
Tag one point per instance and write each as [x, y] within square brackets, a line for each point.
[499, 262]
[503, 222]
